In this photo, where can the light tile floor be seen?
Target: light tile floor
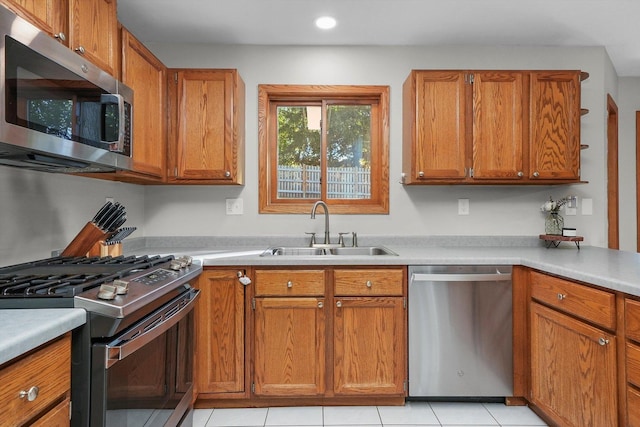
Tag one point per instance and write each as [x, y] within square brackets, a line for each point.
[412, 414]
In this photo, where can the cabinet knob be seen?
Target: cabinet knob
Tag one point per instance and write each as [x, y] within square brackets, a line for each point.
[80, 50]
[289, 284]
[603, 341]
[60, 36]
[369, 284]
[227, 174]
[339, 304]
[536, 174]
[30, 394]
[520, 174]
[421, 174]
[320, 304]
[561, 296]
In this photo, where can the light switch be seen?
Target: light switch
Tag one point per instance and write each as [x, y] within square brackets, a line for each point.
[234, 206]
[463, 206]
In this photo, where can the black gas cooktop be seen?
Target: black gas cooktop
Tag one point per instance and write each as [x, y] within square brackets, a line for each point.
[64, 277]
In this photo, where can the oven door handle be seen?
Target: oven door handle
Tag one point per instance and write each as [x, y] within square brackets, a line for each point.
[116, 352]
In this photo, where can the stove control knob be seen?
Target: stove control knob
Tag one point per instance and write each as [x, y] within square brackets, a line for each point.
[187, 259]
[122, 286]
[175, 265]
[107, 292]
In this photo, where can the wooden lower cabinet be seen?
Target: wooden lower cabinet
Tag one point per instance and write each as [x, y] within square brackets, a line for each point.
[573, 370]
[310, 342]
[46, 374]
[289, 353]
[369, 349]
[220, 334]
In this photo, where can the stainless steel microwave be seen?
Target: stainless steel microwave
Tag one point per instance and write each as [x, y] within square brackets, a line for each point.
[59, 112]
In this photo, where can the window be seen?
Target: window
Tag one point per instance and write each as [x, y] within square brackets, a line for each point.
[326, 143]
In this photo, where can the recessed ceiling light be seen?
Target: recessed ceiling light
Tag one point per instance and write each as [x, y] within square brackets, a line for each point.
[326, 22]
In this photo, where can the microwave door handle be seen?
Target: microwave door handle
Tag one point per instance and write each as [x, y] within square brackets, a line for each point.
[114, 98]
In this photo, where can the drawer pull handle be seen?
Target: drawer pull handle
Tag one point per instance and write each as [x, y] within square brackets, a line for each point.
[603, 341]
[561, 296]
[30, 394]
[289, 284]
[369, 284]
[339, 304]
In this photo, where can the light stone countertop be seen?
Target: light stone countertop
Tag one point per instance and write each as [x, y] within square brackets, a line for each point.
[25, 329]
[612, 269]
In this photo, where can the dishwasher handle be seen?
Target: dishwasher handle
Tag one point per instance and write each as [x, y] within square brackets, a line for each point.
[461, 277]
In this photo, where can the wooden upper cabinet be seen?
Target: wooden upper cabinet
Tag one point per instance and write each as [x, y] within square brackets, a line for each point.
[491, 127]
[434, 126]
[207, 127]
[555, 125]
[94, 32]
[146, 75]
[498, 125]
[48, 15]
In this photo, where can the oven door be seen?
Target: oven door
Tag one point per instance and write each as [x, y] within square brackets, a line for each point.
[144, 376]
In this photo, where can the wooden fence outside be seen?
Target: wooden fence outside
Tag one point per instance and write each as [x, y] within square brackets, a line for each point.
[304, 182]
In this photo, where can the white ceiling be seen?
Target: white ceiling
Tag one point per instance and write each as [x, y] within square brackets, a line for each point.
[614, 24]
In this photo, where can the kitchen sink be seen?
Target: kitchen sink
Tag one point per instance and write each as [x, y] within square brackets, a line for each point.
[314, 251]
[362, 250]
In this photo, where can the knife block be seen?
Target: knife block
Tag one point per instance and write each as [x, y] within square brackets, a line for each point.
[102, 250]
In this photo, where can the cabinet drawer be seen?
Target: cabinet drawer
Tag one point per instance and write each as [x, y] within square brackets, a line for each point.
[369, 282]
[587, 303]
[633, 364]
[633, 407]
[632, 319]
[49, 369]
[289, 282]
[57, 417]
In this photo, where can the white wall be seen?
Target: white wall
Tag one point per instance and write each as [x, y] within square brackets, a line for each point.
[430, 210]
[628, 102]
[41, 212]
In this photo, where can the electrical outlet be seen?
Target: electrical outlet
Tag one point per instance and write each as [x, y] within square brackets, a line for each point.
[463, 206]
[234, 206]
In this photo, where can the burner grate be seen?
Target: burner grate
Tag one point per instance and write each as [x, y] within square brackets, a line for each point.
[69, 276]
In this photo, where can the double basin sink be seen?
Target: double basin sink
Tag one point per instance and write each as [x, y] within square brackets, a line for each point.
[329, 251]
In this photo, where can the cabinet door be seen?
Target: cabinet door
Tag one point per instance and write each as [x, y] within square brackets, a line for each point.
[290, 343]
[146, 75]
[209, 127]
[56, 417]
[438, 138]
[220, 335]
[555, 125]
[94, 32]
[497, 125]
[573, 370]
[369, 346]
[48, 15]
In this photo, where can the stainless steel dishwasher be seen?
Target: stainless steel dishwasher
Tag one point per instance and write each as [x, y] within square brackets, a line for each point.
[460, 332]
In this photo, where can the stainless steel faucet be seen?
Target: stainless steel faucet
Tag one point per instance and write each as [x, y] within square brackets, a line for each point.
[327, 239]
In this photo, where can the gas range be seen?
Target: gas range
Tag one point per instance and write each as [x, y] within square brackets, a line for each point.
[122, 289]
[139, 309]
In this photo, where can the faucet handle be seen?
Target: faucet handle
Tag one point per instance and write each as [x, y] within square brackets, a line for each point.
[354, 239]
[341, 238]
[313, 238]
